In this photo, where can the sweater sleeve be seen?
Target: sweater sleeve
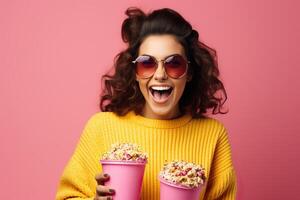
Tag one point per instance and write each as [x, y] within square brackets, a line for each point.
[78, 178]
[222, 181]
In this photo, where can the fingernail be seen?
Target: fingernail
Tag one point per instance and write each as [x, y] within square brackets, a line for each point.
[105, 175]
[111, 190]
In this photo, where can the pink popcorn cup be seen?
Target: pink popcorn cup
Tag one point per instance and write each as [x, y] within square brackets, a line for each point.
[126, 178]
[177, 192]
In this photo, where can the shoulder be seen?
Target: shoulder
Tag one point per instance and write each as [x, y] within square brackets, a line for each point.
[96, 123]
[99, 119]
[101, 116]
[209, 122]
[211, 125]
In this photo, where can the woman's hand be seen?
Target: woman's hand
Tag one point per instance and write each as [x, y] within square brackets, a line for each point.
[103, 192]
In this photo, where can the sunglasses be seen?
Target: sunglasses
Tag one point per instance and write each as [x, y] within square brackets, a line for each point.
[175, 66]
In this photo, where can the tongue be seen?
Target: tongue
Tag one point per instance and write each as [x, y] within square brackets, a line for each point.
[160, 97]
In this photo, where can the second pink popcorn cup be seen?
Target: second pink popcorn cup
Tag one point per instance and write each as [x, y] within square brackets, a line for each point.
[177, 192]
[126, 178]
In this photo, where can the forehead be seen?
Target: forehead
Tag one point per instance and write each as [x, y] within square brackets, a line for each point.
[160, 46]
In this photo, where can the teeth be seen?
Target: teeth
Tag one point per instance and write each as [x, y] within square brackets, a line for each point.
[160, 87]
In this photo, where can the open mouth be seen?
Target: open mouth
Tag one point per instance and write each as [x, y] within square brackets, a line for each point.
[161, 94]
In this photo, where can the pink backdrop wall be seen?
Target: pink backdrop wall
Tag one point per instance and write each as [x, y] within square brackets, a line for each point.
[52, 54]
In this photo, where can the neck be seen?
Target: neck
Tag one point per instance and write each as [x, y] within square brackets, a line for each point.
[175, 113]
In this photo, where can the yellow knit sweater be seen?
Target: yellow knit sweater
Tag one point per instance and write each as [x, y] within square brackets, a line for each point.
[202, 141]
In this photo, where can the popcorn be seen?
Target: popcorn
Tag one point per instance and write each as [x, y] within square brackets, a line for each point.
[125, 152]
[183, 173]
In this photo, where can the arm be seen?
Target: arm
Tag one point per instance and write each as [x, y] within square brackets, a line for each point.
[222, 181]
[78, 178]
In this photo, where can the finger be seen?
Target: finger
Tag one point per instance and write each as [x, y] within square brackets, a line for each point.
[104, 190]
[101, 178]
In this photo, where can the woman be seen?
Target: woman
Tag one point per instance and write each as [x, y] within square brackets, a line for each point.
[163, 84]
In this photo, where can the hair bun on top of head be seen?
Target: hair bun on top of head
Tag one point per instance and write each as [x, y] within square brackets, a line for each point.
[132, 24]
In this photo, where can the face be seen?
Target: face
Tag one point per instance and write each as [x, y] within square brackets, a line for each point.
[161, 92]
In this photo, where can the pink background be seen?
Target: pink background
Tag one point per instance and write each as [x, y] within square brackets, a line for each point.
[53, 53]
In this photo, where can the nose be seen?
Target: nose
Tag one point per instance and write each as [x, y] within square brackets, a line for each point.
[160, 73]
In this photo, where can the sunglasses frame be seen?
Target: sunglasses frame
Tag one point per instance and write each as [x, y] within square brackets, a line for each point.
[163, 60]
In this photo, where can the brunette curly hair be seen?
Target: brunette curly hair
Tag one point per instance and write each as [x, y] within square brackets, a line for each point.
[121, 92]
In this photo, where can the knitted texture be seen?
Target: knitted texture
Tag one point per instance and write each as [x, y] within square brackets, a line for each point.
[201, 141]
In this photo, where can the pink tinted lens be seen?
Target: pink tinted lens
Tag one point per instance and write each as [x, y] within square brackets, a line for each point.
[145, 66]
[175, 66]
